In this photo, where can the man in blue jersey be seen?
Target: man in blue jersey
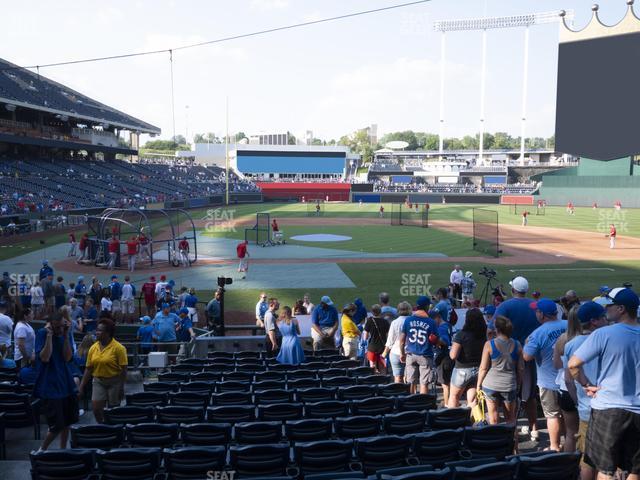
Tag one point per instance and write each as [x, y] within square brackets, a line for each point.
[524, 321]
[419, 335]
[539, 348]
[613, 436]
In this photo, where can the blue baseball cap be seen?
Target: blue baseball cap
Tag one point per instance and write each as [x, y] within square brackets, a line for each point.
[604, 289]
[423, 301]
[165, 305]
[622, 296]
[326, 300]
[489, 310]
[183, 311]
[546, 306]
[45, 262]
[590, 310]
[114, 276]
[145, 319]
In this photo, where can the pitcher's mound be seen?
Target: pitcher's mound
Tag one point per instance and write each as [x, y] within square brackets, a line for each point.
[321, 237]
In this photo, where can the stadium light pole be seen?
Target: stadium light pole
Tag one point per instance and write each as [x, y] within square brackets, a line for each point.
[491, 23]
[226, 155]
[442, 85]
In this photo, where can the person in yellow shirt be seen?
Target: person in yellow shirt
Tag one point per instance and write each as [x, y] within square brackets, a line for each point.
[107, 364]
[350, 332]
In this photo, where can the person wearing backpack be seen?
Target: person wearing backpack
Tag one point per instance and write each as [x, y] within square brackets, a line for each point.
[376, 329]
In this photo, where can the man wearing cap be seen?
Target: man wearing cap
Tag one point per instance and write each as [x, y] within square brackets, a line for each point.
[183, 252]
[113, 248]
[80, 291]
[47, 291]
[524, 321]
[115, 294]
[270, 327]
[261, 308]
[214, 312]
[613, 436]
[324, 324]
[243, 255]
[145, 335]
[45, 270]
[160, 286]
[467, 285]
[127, 300]
[539, 347]
[185, 333]
[419, 335]
[592, 316]
[164, 325]
[145, 245]
[132, 252]
[455, 280]
[149, 294]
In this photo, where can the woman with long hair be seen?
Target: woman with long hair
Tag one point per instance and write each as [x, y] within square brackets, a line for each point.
[500, 372]
[568, 389]
[291, 352]
[392, 345]
[466, 350]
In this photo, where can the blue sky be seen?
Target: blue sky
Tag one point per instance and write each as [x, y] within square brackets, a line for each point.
[331, 78]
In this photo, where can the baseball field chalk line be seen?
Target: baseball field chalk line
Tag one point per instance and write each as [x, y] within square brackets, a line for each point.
[560, 269]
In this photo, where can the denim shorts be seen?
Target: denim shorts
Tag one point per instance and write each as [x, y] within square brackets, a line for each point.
[396, 365]
[496, 396]
[464, 377]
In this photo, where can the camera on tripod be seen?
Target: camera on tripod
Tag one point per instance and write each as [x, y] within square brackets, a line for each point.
[487, 272]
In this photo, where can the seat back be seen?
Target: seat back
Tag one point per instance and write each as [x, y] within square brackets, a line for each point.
[417, 401]
[179, 414]
[194, 462]
[357, 426]
[231, 398]
[553, 465]
[438, 447]
[231, 414]
[198, 387]
[96, 436]
[318, 394]
[146, 399]
[308, 430]
[233, 386]
[383, 452]
[128, 415]
[449, 418]
[490, 441]
[268, 385]
[374, 380]
[258, 432]
[71, 464]
[299, 383]
[444, 474]
[189, 399]
[17, 409]
[357, 392]
[402, 423]
[161, 387]
[323, 456]
[489, 471]
[342, 381]
[394, 389]
[128, 463]
[280, 412]
[152, 434]
[373, 406]
[176, 377]
[255, 460]
[326, 409]
[266, 397]
[206, 433]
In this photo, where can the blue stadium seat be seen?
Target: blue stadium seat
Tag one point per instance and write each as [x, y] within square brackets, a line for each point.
[268, 385]
[388, 451]
[280, 412]
[179, 414]
[193, 462]
[343, 381]
[308, 430]
[231, 414]
[490, 441]
[20, 411]
[552, 465]
[357, 426]
[360, 371]
[267, 397]
[348, 364]
[206, 433]
[258, 432]
[316, 394]
[161, 387]
[175, 377]
[233, 386]
[332, 372]
[152, 435]
[357, 392]
[489, 471]
[394, 389]
[326, 409]
[301, 373]
[402, 423]
[449, 418]
[231, 398]
[69, 464]
[260, 460]
[444, 474]
[209, 377]
[438, 447]
[198, 387]
[128, 415]
[325, 456]
[128, 463]
[237, 377]
[373, 406]
[417, 401]
[269, 375]
[146, 399]
[300, 383]
[103, 437]
[189, 399]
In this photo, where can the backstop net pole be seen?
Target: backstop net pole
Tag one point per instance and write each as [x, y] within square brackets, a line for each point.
[486, 232]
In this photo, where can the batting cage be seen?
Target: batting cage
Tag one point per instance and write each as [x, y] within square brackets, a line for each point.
[315, 208]
[486, 232]
[410, 215]
[260, 233]
[155, 234]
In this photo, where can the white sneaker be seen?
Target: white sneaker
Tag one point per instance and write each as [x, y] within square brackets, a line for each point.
[80, 412]
[524, 430]
[535, 435]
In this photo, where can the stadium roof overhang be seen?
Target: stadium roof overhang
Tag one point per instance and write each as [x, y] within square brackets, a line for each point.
[63, 144]
[147, 128]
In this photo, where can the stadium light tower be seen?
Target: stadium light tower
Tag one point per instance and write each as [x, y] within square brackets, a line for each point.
[484, 24]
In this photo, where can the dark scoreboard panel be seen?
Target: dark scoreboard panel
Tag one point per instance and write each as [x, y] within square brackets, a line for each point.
[598, 98]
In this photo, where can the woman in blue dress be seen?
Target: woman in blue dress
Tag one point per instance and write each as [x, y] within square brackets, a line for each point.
[291, 351]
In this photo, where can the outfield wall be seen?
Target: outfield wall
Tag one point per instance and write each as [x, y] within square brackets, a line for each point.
[432, 198]
[583, 191]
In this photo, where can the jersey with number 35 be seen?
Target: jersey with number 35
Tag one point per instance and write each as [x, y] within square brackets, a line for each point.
[417, 330]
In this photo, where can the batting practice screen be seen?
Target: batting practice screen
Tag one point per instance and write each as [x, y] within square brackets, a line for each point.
[260, 234]
[485, 232]
[416, 216]
[315, 208]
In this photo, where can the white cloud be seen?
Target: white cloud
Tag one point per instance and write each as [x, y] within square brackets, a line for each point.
[264, 5]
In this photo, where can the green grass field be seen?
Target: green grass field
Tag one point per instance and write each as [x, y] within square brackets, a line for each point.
[407, 280]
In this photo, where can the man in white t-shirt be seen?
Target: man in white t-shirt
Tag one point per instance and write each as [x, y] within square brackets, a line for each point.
[455, 280]
[25, 338]
[127, 300]
[160, 286]
[6, 325]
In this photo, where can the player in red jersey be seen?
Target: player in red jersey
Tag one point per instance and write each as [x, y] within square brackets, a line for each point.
[243, 256]
[525, 214]
[132, 251]
[145, 246]
[72, 245]
[149, 294]
[114, 250]
[84, 247]
[183, 252]
[612, 236]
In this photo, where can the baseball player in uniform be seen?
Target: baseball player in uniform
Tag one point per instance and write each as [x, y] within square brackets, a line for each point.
[524, 218]
[243, 256]
[612, 236]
